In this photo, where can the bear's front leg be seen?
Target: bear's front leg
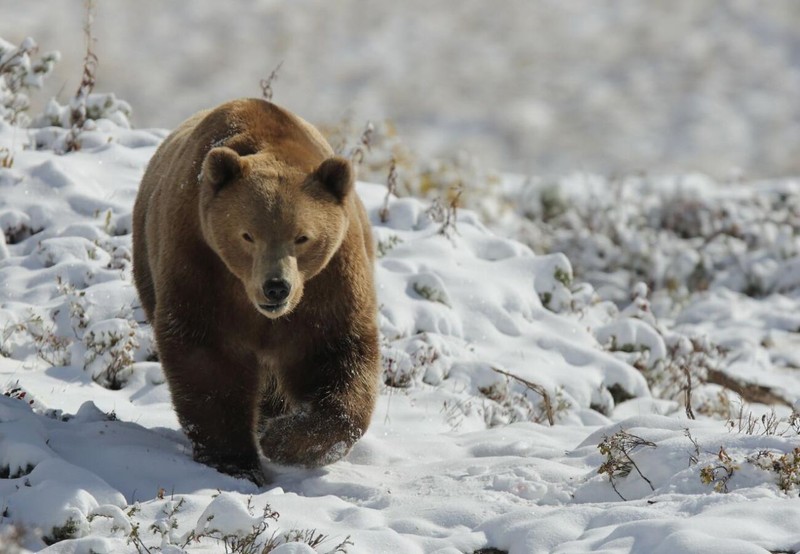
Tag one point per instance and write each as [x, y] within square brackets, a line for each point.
[311, 436]
[215, 399]
[329, 408]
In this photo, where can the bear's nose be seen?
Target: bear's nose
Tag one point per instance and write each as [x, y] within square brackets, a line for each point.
[276, 290]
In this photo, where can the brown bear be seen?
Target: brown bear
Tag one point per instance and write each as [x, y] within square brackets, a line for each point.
[253, 258]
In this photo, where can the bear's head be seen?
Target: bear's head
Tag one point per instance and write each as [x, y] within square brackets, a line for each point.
[273, 225]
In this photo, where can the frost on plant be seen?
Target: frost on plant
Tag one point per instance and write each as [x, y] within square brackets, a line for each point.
[50, 347]
[718, 473]
[659, 231]
[445, 212]
[384, 246]
[785, 466]
[689, 363]
[618, 449]
[391, 190]
[19, 73]
[514, 406]
[76, 303]
[430, 293]
[69, 530]
[430, 286]
[110, 348]
[402, 370]
[258, 536]
[6, 158]
[97, 106]
[767, 424]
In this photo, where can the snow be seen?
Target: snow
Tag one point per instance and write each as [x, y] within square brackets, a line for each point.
[538, 86]
[484, 342]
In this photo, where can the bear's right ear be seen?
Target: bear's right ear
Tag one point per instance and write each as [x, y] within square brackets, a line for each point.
[336, 176]
[222, 165]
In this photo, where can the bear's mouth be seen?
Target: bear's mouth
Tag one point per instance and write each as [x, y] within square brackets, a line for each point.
[272, 308]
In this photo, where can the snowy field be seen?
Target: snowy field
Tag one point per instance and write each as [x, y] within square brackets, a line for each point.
[572, 364]
[523, 409]
[537, 86]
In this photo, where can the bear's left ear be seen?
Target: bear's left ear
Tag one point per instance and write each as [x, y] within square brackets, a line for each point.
[222, 165]
[336, 176]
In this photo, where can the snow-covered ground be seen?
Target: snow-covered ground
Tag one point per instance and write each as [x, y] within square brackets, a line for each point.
[522, 410]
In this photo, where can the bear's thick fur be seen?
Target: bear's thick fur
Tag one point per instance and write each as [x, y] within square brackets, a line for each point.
[253, 258]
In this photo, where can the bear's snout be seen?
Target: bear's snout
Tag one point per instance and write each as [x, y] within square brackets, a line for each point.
[277, 290]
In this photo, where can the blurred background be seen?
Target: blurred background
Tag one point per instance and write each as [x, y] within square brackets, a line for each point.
[531, 86]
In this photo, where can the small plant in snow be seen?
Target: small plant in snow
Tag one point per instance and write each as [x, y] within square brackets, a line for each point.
[717, 406]
[135, 538]
[261, 539]
[19, 73]
[555, 291]
[429, 293]
[694, 457]
[76, 302]
[401, 373]
[167, 523]
[6, 158]
[121, 257]
[786, 467]
[21, 471]
[509, 406]
[455, 411]
[562, 277]
[613, 345]
[7, 334]
[718, 474]
[513, 404]
[546, 298]
[552, 203]
[253, 542]
[314, 539]
[78, 106]
[50, 347]
[393, 375]
[68, 530]
[446, 214]
[391, 190]
[110, 348]
[547, 411]
[98, 106]
[690, 362]
[85, 107]
[767, 424]
[79, 112]
[120, 521]
[359, 151]
[618, 449]
[384, 246]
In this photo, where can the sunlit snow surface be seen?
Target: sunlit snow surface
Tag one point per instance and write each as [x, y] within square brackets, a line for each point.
[452, 461]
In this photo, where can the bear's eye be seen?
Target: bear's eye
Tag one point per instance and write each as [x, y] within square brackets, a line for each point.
[247, 237]
[301, 239]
